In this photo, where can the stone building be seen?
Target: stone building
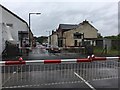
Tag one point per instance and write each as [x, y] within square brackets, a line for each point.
[60, 33]
[54, 39]
[83, 34]
[74, 35]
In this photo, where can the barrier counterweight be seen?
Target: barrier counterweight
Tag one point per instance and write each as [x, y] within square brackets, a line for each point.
[40, 73]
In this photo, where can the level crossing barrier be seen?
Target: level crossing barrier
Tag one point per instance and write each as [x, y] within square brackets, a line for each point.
[42, 73]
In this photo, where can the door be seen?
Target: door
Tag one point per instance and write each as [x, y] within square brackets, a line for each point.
[75, 43]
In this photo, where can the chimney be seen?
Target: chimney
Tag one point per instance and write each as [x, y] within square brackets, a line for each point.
[52, 32]
[85, 21]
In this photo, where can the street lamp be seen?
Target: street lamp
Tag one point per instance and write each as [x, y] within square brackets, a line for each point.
[30, 23]
[30, 15]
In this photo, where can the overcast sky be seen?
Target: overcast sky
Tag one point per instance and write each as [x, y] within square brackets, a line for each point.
[103, 15]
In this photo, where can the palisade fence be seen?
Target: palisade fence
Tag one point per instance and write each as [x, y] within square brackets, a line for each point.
[111, 44]
[39, 73]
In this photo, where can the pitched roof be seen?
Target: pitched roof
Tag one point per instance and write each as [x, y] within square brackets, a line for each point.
[87, 23]
[14, 14]
[67, 26]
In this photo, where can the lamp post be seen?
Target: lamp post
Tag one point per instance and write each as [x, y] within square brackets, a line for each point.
[30, 24]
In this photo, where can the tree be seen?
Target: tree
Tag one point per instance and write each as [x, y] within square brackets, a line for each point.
[42, 39]
[117, 37]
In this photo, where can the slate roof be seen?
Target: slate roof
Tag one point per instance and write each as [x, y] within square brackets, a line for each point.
[67, 26]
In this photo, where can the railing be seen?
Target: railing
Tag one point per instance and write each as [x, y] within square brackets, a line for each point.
[40, 73]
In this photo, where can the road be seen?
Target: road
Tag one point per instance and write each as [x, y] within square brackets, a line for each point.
[41, 53]
[92, 75]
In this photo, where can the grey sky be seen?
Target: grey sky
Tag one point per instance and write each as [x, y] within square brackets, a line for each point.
[103, 15]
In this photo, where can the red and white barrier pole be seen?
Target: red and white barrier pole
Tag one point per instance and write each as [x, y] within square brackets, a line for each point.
[90, 59]
[105, 58]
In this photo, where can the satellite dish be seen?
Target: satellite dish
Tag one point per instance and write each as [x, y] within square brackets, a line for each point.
[9, 37]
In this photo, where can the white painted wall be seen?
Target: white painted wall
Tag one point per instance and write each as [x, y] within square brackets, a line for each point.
[17, 25]
[0, 46]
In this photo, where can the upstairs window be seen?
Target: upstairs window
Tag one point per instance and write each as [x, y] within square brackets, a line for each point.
[77, 35]
[10, 25]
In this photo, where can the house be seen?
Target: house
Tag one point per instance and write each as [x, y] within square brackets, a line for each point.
[61, 30]
[74, 35]
[54, 39]
[14, 29]
[83, 34]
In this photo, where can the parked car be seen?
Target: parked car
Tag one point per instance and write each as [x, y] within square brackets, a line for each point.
[53, 49]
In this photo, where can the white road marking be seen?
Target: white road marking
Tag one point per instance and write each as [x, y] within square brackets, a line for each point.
[85, 81]
[105, 78]
[9, 78]
[45, 84]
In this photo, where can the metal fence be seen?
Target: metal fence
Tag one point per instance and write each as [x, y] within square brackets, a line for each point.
[37, 74]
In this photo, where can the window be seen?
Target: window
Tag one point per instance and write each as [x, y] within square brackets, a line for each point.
[75, 43]
[10, 25]
[78, 35]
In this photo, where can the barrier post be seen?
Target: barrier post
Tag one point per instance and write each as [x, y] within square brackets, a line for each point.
[1, 23]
